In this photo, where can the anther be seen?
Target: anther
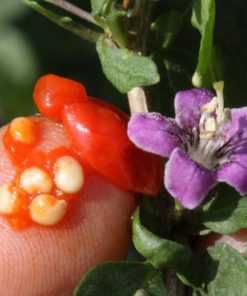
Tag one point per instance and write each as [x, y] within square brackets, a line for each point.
[46, 209]
[211, 106]
[219, 86]
[23, 130]
[227, 116]
[7, 199]
[35, 180]
[68, 174]
[211, 125]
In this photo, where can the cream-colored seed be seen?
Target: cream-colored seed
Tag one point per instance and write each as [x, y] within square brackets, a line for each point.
[35, 180]
[23, 129]
[68, 174]
[7, 199]
[46, 209]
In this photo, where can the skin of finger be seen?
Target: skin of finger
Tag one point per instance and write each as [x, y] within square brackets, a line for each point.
[237, 241]
[51, 260]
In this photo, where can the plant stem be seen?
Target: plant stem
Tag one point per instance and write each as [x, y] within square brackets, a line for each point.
[145, 8]
[174, 287]
[65, 22]
[137, 100]
[137, 97]
[73, 9]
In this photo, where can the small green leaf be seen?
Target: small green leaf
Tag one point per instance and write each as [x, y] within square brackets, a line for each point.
[226, 213]
[117, 23]
[225, 272]
[203, 15]
[99, 6]
[124, 68]
[203, 18]
[122, 279]
[166, 28]
[160, 252]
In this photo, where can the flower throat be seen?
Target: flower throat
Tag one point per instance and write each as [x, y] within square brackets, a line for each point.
[207, 139]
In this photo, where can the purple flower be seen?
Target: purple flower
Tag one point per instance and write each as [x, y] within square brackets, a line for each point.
[205, 143]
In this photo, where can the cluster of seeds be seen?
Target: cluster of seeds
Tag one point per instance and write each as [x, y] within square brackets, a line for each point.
[44, 184]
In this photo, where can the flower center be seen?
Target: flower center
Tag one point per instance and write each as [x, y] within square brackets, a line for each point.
[208, 139]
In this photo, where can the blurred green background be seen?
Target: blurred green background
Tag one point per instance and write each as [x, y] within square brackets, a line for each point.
[30, 46]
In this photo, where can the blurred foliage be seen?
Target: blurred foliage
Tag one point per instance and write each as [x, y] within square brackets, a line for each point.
[18, 63]
[31, 46]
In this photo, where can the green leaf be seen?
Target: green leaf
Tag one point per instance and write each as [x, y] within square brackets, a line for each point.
[226, 272]
[122, 279]
[221, 271]
[65, 22]
[166, 28]
[203, 18]
[226, 213]
[99, 6]
[124, 68]
[117, 23]
[216, 61]
[192, 274]
[160, 252]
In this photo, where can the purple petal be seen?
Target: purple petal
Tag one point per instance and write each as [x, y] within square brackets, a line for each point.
[186, 180]
[154, 133]
[188, 106]
[237, 128]
[234, 172]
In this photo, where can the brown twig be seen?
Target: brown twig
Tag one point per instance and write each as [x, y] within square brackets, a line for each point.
[137, 97]
[73, 9]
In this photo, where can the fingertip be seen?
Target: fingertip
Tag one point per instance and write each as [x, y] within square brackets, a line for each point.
[97, 229]
[53, 259]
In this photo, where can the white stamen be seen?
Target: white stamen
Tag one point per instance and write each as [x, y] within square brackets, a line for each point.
[208, 125]
[211, 106]
[207, 145]
[211, 125]
[203, 118]
[219, 86]
[204, 150]
[195, 135]
[207, 135]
